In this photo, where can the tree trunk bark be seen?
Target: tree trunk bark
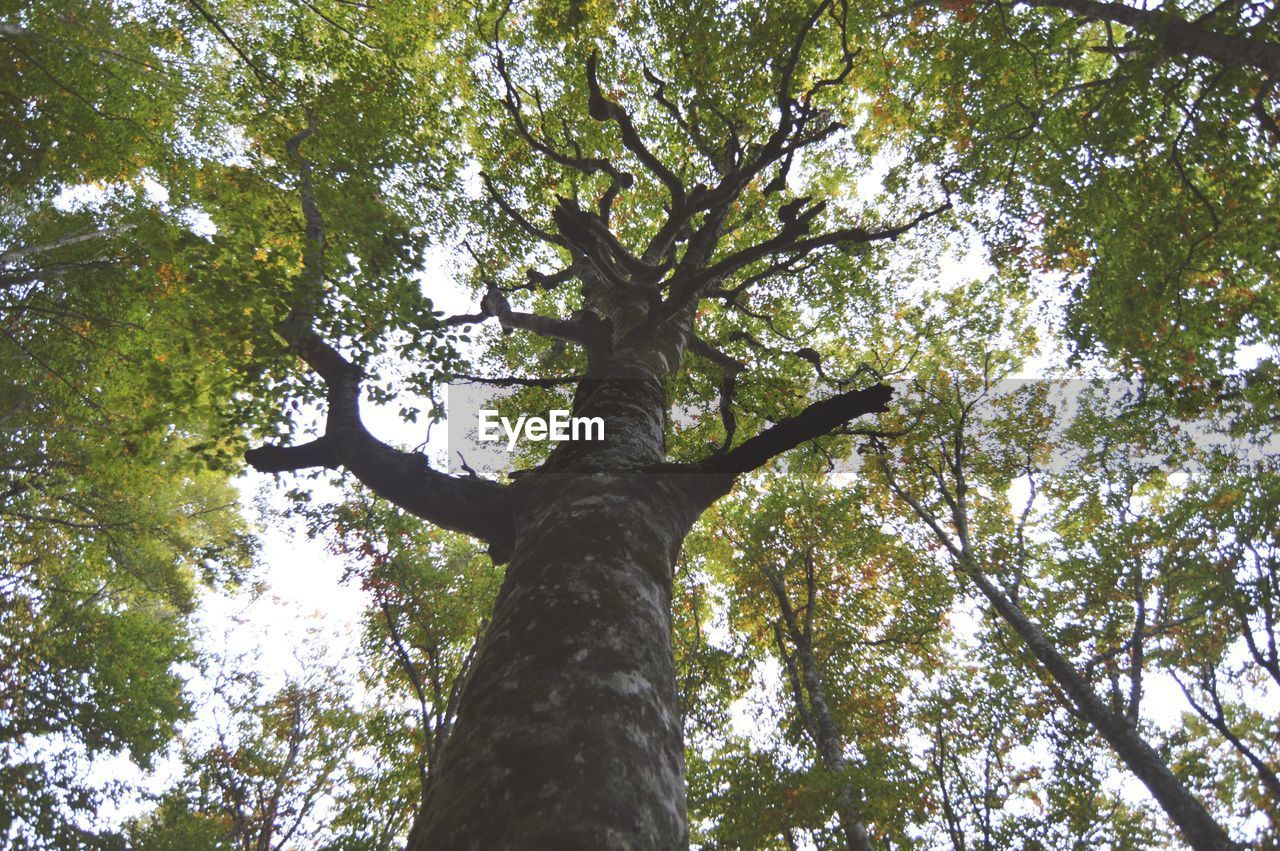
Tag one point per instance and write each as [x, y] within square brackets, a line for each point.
[815, 716]
[568, 732]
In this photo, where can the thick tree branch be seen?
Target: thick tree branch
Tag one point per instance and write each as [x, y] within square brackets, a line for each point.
[495, 304]
[546, 281]
[591, 236]
[603, 109]
[566, 329]
[705, 350]
[818, 419]
[473, 506]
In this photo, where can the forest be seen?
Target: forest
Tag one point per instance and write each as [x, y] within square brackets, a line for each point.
[937, 504]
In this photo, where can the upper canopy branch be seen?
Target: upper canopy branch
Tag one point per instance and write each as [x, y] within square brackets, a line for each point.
[792, 241]
[795, 111]
[721, 161]
[495, 304]
[516, 216]
[603, 109]
[696, 215]
[653, 286]
[512, 104]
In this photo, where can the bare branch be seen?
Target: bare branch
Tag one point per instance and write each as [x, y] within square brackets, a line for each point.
[15, 254]
[791, 240]
[474, 506]
[262, 76]
[515, 216]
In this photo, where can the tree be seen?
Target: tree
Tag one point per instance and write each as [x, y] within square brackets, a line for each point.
[256, 781]
[1085, 119]
[662, 214]
[583, 616]
[1114, 600]
[333, 758]
[110, 522]
[110, 526]
[813, 581]
[1105, 565]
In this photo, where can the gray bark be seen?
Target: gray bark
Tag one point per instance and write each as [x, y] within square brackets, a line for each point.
[815, 714]
[830, 744]
[1195, 822]
[568, 732]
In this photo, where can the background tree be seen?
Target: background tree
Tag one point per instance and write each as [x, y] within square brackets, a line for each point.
[820, 600]
[130, 339]
[1069, 128]
[258, 780]
[1105, 468]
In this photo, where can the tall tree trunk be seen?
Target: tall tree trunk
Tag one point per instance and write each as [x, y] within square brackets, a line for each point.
[815, 714]
[830, 744]
[568, 733]
[1196, 823]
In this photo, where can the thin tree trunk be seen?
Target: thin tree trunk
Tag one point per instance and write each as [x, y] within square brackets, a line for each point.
[1198, 827]
[826, 735]
[815, 714]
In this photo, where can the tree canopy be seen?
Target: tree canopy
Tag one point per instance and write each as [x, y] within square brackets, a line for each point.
[934, 344]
